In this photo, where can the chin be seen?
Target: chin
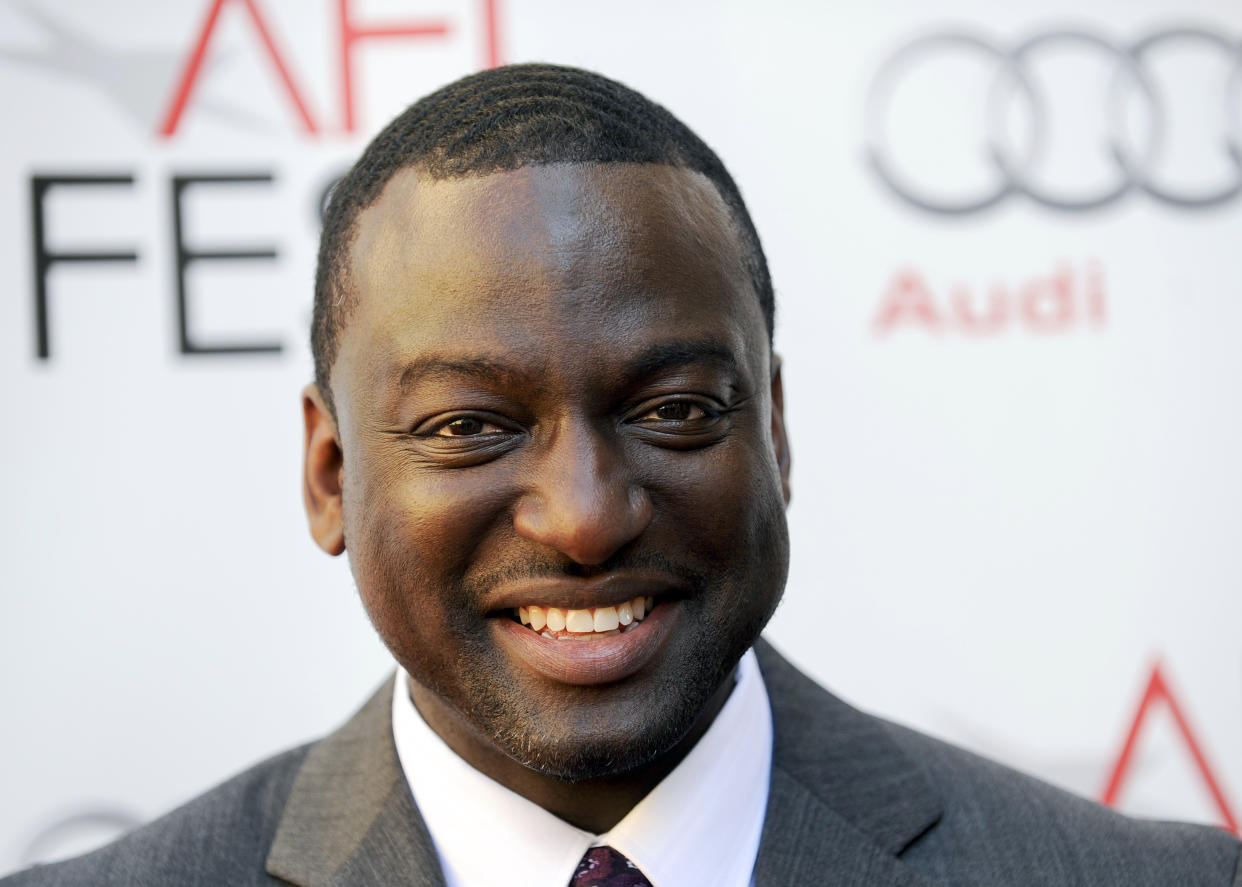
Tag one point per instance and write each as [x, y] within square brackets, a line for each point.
[583, 741]
[592, 756]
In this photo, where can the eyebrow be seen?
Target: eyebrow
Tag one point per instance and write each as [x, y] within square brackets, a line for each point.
[651, 361]
[483, 369]
[666, 356]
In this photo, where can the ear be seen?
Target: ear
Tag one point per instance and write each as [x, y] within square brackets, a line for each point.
[323, 473]
[780, 442]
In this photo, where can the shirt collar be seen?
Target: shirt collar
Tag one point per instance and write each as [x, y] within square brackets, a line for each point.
[699, 826]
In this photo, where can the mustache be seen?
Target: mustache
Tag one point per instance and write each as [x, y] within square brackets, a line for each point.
[535, 567]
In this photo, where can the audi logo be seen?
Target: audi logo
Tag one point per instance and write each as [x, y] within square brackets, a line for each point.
[957, 123]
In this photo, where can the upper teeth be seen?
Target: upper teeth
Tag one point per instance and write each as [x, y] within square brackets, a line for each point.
[557, 622]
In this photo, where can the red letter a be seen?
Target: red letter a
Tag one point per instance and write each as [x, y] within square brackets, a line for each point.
[1157, 689]
[195, 64]
[907, 300]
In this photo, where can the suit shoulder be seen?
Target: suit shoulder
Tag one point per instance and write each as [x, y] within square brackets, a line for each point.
[966, 820]
[1025, 825]
[220, 837]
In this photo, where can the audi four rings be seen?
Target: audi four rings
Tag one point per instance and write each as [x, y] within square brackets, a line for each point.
[1014, 172]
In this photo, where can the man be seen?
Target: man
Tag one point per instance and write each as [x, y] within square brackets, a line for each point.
[547, 426]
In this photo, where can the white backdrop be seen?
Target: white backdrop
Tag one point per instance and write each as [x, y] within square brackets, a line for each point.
[1015, 429]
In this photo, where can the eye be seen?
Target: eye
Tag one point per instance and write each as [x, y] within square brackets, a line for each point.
[466, 426]
[677, 415]
[676, 411]
[452, 440]
[680, 422]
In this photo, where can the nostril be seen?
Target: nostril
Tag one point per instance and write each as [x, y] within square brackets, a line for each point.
[581, 499]
[587, 531]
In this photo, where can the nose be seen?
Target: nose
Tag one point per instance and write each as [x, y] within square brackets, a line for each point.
[581, 499]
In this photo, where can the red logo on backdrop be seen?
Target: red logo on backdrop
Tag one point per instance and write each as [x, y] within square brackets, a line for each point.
[69, 52]
[1158, 691]
[1069, 298]
[351, 32]
[135, 77]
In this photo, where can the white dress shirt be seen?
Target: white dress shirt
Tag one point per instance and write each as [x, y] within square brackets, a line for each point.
[698, 828]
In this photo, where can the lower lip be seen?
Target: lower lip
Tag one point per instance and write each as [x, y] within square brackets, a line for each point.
[590, 663]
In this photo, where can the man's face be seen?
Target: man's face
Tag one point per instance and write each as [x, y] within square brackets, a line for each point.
[556, 393]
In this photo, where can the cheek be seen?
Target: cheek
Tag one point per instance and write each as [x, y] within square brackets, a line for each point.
[412, 534]
[722, 494]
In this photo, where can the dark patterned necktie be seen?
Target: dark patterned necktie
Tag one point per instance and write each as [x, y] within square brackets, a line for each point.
[605, 867]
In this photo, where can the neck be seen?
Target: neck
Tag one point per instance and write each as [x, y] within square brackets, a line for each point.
[594, 805]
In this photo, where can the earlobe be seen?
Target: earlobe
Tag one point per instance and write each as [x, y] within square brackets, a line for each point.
[780, 441]
[322, 473]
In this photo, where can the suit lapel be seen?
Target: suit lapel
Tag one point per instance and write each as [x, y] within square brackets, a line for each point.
[396, 850]
[844, 800]
[806, 842]
[350, 818]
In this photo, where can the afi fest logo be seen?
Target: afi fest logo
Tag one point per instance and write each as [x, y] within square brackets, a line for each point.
[159, 89]
[156, 87]
[350, 32]
[1156, 695]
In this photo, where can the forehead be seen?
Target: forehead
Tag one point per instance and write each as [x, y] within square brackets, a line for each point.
[593, 254]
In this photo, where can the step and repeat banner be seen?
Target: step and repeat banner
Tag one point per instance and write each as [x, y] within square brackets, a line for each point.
[1006, 244]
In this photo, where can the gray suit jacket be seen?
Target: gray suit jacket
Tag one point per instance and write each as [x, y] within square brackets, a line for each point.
[854, 801]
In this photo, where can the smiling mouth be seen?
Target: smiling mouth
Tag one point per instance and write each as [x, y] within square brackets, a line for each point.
[585, 625]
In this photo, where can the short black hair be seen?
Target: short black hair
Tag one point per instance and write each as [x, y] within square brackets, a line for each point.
[504, 119]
